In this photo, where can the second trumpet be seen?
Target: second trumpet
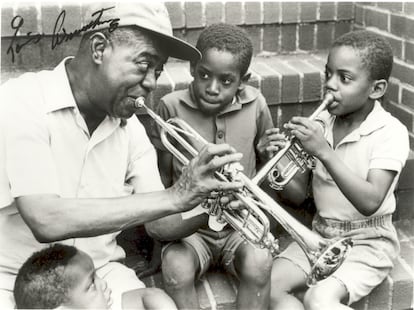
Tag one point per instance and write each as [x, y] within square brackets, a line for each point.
[291, 159]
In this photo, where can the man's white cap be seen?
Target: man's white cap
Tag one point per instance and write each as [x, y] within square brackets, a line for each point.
[152, 16]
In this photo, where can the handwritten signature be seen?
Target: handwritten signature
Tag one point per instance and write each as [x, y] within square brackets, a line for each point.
[59, 34]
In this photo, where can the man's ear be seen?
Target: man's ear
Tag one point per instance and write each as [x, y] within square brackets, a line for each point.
[379, 87]
[98, 44]
[244, 81]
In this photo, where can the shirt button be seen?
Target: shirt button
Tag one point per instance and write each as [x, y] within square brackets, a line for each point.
[220, 135]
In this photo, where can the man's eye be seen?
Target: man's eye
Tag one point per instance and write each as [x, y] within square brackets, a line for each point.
[92, 286]
[345, 79]
[143, 66]
[327, 74]
[158, 73]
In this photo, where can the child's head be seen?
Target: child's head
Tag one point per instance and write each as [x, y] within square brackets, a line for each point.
[358, 67]
[226, 54]
[59, 276]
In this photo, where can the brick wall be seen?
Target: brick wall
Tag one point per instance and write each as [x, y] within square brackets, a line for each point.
[395, 22]
[276, 27]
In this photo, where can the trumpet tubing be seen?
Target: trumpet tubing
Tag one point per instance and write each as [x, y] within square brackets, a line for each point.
[250, 221]
[295, 157]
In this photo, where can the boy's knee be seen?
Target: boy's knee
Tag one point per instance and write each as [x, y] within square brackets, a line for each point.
[317, 299]
[178, 266]
[254, 265]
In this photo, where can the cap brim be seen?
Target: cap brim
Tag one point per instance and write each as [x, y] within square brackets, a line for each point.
[176, 47]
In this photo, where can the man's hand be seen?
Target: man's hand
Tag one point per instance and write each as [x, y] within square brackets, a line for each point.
[197, 180]
[271, 142]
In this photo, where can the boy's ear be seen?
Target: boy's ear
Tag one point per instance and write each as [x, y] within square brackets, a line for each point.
[243, 82]
[378, 90]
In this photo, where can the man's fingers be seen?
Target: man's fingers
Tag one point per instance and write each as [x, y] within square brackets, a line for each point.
[227, 186]
[272, 131]
[217, 162]
[210, 151]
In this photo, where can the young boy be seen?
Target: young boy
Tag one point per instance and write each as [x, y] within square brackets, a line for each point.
[359, 158]
[222, 109]
[60, 276]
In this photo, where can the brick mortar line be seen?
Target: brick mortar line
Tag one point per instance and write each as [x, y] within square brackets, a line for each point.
[258, 76]
[279, 75]
[321, 75]
[406, 267]
[390, 291]
[209, 293]
[301, 80]
[234, 287]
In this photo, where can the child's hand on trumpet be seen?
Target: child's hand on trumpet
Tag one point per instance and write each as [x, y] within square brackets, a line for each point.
[271, 143]
[310, 134]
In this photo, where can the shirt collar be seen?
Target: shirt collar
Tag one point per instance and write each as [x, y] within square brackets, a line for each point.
[58, 91]
[375, 120]
[61, 97]
[247, 95]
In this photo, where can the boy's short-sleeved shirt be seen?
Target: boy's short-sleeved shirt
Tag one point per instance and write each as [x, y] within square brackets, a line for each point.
[381, 142]
[46, 149]
[241, 124]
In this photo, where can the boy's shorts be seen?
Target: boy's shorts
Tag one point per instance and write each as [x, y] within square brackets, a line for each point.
[213, 248]
[120, 279]
[369, 261]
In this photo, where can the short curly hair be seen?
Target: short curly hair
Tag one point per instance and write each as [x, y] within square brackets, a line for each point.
[226, 37]
[375, 52]
[40, 282]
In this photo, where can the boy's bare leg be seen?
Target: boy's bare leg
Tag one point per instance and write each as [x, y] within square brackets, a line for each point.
[326, 295]
[179, 266]
[253, 267]
[286, 277]
[147, 298]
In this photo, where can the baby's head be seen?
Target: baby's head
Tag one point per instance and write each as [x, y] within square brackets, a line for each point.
[357, 71]
[226, 55]
[59, 276]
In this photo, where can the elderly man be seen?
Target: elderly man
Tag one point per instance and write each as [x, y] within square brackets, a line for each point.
[77, 167]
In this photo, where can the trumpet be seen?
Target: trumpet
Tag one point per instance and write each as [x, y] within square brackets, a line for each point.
[325, 256]
[292, 158]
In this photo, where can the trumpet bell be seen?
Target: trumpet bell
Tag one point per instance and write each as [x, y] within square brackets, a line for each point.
[329, 260]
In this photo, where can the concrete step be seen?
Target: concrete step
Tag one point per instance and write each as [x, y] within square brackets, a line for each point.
[218, 290]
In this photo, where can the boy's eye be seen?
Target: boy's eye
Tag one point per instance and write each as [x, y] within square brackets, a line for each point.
[203, 75]
[227, 81]
[327, 74]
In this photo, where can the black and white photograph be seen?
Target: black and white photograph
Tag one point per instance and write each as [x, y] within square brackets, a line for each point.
[211, 155]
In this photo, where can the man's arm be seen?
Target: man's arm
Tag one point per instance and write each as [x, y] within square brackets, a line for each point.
[52, 218]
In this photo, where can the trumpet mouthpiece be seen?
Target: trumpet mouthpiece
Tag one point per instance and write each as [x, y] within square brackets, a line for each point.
[329, 98]
[139, 102]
